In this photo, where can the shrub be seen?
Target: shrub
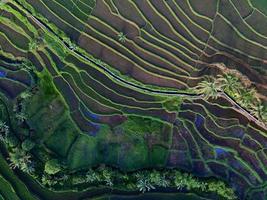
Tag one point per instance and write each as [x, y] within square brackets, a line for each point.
[48, 180]
[52, 167]
[27, 145]
[78, 180]
[173, 104]
[107, 176]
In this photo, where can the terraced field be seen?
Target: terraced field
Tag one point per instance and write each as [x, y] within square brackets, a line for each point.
[88, 84]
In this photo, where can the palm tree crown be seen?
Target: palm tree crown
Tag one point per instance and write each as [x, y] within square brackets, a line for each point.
[210, 88]
[229, 83]
[122, 37]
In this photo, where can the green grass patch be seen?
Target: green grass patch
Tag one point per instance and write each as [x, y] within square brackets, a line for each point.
[87, 151]
[46, 117]
[63, 137]
[47, 110]
[123, 147]
[173, 103]
[46, 84]
[83, 153]
[158, 156]
[134, 156]
[139, 125]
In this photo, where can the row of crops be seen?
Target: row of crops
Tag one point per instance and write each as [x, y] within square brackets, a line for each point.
[158, 44]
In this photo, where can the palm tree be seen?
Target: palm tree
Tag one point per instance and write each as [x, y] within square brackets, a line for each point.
[19, 159]
[144, 185]
[144, 181]
[122, 37]
[210, 88]
[260, 111]
[163, 182]
[230, 84]
[28, 167]
[248, 97]
[203, 186]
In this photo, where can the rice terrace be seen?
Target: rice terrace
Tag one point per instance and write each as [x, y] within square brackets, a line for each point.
[133, 99]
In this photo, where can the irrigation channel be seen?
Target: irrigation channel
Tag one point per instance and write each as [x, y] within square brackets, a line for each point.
[131, 85]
